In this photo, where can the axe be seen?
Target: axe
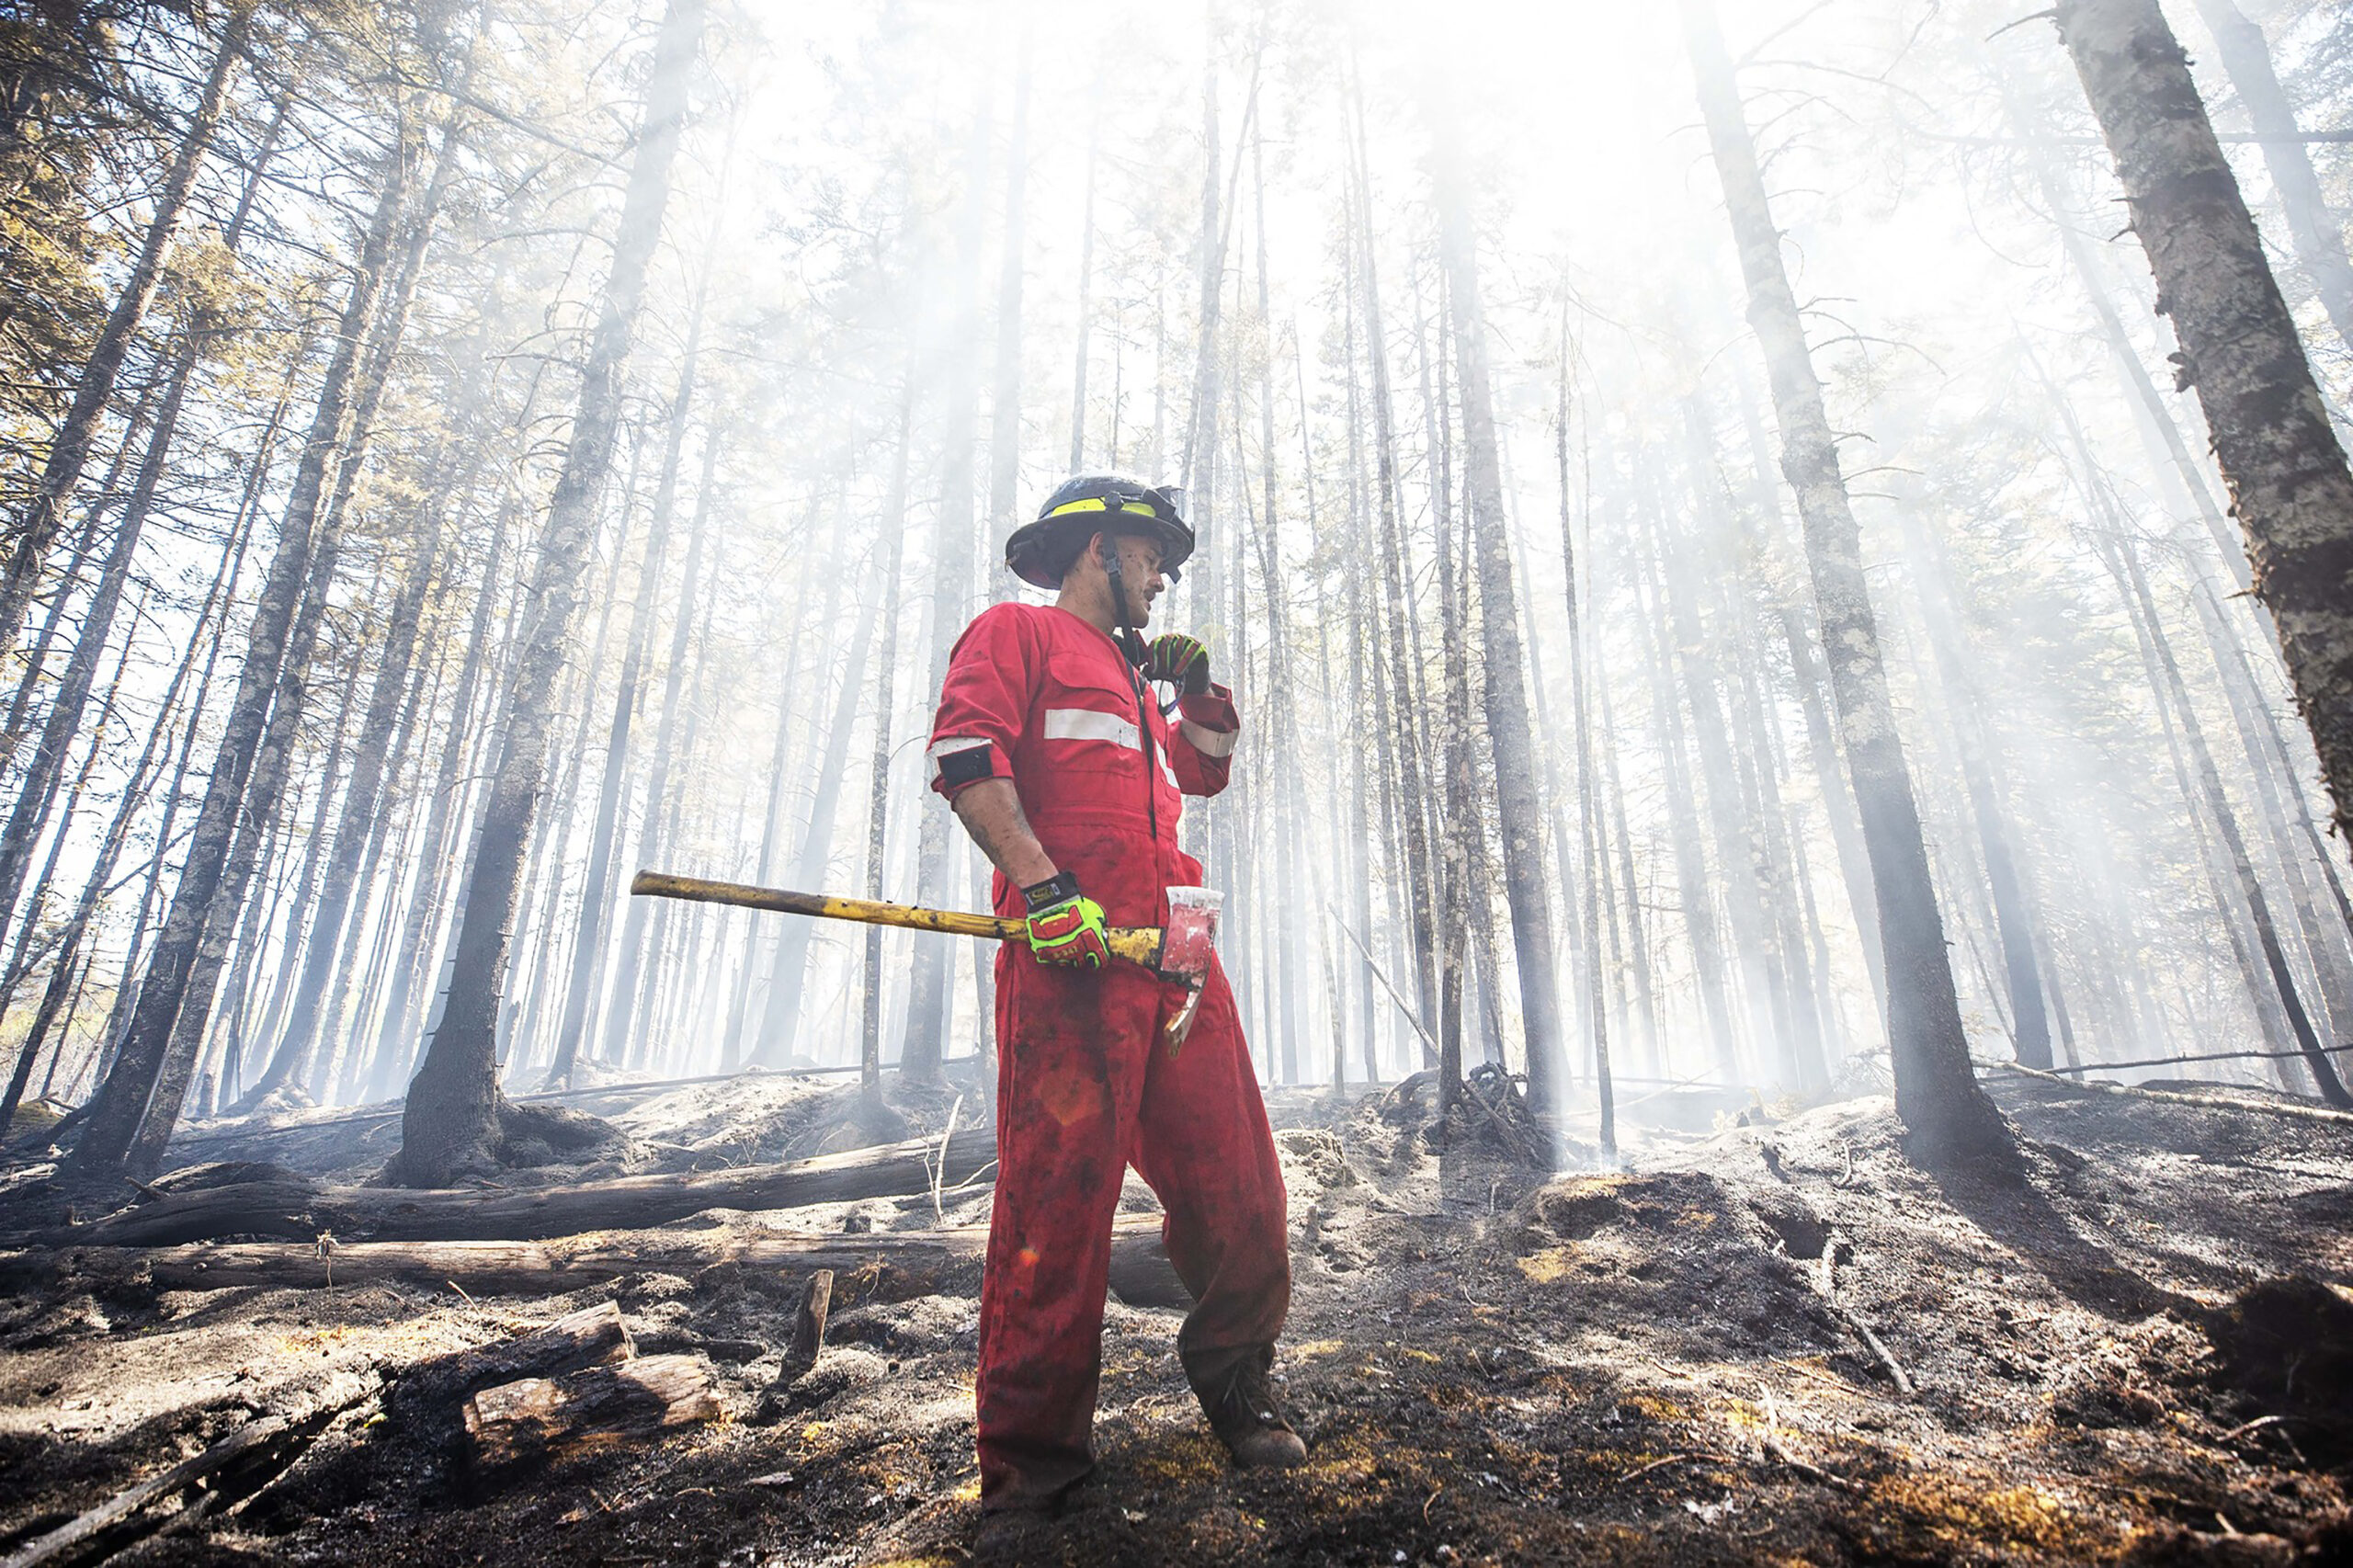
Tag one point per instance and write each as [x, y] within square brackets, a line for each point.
[1180, 952]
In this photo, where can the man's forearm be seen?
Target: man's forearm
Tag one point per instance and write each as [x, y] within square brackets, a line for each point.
[991, 812]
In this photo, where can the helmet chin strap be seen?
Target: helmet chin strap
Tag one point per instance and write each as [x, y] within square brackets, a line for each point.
[1129, 640]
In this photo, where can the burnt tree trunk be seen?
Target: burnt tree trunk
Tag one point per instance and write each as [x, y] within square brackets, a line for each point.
[2289, 486]
[2318, 238]
[456, 1118]
[1936, 1091]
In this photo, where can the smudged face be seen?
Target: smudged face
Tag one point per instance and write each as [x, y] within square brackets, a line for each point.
[1140, 573]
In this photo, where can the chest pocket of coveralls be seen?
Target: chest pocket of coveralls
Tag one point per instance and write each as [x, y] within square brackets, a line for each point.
[1089, 725]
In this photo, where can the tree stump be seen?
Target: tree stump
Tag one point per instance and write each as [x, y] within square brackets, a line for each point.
[809, 1325]
[535, 1421]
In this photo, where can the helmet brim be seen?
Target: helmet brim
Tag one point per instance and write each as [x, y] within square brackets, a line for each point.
[1033, 545]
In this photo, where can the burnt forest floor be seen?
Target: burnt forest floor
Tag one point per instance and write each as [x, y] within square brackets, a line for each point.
[2143, 1354]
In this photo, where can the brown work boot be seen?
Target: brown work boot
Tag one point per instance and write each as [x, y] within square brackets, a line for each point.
[1015, 1538]
[1250, 1423]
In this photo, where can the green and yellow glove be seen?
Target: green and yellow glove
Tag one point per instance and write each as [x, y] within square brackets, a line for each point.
[1179, 660]
[1065, 926]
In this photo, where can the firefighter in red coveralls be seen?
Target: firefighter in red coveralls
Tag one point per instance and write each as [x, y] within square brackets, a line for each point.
[1052, 747]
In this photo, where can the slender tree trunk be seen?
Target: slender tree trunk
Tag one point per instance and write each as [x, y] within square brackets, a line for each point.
[1690, 651]
[36, 788]
[674, 764]
[61, 981]
[391, 1054]
[2318, 236]
[1937, 1094]
[33, 681]
[1509, 733]
[1454, 881]
[2209, 783]
[1592, 866]
[122, 1101]
[1694, 889]
[456, 1117]
[772, 819]
[1399, 697]
[338, 1063]
[25, 957]
[137, 962]
[69, 450]
[358, 820]
[891, 528]
[1821, 747]
[1359, 847]
[2013, 921]
[922, 1046]
[781, 1019]
[626, 960]
[2290, 489]
[1086, 292]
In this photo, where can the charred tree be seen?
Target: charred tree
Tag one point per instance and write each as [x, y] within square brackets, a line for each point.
[2289, 486]
[2314, 231]
[457, 1118]
[1937, 1093]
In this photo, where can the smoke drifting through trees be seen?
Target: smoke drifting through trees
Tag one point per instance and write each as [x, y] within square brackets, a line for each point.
[458, 453]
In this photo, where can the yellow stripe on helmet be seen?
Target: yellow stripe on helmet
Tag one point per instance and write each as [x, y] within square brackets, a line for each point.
[1102, 504]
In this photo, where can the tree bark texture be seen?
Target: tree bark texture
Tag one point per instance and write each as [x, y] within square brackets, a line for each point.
[2290, 489]
[2316, 233]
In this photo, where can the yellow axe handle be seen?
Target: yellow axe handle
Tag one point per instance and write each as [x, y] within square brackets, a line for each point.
[1137, 943]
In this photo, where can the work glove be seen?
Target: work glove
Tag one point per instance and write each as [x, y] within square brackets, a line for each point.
[1179, 660]
[1065, 926]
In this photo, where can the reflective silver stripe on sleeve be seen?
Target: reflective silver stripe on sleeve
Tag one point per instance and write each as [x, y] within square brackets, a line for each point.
[1208, 743]
[941, 750]
[1088, 724]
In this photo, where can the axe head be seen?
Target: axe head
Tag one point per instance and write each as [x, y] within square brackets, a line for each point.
[1190, 939]
[1186, 949]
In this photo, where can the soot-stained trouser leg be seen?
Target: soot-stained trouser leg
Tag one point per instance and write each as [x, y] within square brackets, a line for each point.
[1203, 1143]
[1070, 1074]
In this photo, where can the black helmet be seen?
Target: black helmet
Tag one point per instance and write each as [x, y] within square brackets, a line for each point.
[1039, 552]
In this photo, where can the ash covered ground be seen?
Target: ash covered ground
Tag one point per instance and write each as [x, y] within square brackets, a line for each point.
[1777, 1343]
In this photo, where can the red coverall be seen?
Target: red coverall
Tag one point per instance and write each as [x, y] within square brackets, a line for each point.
[1085, 1086]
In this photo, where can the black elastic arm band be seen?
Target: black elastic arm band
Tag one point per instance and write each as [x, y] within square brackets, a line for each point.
[970, 766]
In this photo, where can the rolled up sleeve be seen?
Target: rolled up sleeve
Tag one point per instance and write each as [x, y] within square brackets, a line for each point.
[1201, 755]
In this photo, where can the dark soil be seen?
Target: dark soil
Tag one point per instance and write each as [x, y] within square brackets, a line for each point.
[2142, 1355]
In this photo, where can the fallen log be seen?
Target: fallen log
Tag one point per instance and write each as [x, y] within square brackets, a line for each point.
[255, 1128]
[301, 1212]
[888, 1265]
[589, 1337]
[509, 1268]
[537, 1421]
[2171, 1097]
